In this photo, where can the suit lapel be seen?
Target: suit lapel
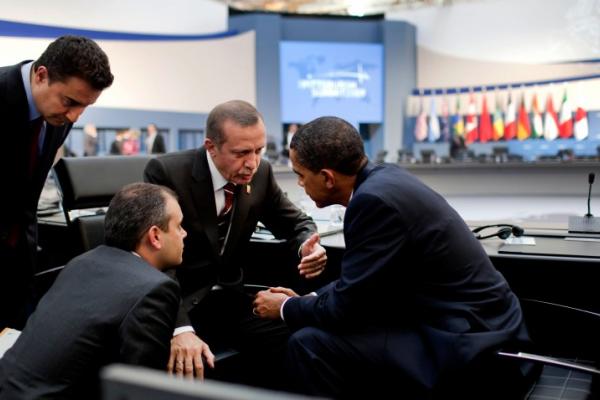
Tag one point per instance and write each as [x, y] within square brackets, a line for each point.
[17, 109]
[204, 198]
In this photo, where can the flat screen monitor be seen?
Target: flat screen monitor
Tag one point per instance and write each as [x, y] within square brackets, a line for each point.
[123, 382]
[339, 79]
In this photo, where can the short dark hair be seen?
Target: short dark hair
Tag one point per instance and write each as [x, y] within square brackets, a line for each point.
[241, 112]
[329, 142]
[76, 56]
[133, 210]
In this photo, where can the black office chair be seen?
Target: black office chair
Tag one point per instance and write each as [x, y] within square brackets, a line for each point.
[428, 156]
[271, 152]
[565, 155]
[380, 157]
[500, 154]
[405, 157]
[86, 185]
[565, 345]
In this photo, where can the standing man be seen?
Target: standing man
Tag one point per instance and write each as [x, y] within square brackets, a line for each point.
[39, 102]
[224, 190]
[111, 304]
[418, 300]
[155, 143]
[90, 140]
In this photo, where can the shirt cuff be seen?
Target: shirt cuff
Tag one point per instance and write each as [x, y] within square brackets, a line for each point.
[183, 329]
[285, 301]
[281, 309]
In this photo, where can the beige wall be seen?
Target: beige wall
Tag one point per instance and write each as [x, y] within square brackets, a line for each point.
[187, 76]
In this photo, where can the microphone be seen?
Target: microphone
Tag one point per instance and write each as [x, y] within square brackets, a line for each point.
[588, 223]
[591, 177]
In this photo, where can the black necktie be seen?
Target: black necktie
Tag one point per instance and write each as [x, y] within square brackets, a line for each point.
[36, 127]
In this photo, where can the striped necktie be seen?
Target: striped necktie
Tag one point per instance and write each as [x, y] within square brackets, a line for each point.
[224, 218]
[229, 190]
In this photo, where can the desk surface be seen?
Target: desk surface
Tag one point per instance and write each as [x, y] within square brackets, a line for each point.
[554, 248]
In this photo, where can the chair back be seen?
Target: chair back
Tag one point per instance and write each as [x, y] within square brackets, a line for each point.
[87, 184]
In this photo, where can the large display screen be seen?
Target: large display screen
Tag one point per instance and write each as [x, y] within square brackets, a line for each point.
[340, 79]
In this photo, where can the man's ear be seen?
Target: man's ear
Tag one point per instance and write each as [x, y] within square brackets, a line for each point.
[210, 146]
[40, 74]
[154, 237]
[328, 177]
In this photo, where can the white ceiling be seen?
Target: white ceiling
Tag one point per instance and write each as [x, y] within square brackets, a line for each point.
[333, 7]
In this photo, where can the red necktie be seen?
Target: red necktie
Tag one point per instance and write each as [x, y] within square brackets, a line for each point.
[229, 189]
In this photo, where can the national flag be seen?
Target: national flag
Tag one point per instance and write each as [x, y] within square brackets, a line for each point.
[421, 124]
[445, 120]
[581, 124]
[498, 122]
[433, 134]
[537, 128]
[458, 125]
[486, 131]
[523, 126]
[566, 118]
[510, 123]
[471, 127]
[550, 120]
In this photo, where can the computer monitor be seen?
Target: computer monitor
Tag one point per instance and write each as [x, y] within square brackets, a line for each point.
[124, 382]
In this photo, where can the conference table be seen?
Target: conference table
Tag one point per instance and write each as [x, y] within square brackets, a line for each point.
[560, 267]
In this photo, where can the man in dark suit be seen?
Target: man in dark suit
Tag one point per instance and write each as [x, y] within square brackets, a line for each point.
[418, 302]
[111, 304]
[224, 189]
[155, 143]
[39, 102]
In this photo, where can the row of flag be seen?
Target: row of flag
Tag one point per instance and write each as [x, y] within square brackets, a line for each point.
[513, 124]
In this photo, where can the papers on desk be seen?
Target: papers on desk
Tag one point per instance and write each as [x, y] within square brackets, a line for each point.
[553, 246]
[327, 229]
[8, 337]
[324, 229]
[525, 240]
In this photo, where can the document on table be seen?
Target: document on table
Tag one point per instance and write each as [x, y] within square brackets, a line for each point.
[8, 337]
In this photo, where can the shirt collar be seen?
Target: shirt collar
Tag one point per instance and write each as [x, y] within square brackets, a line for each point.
[217, 179]
[26, 75]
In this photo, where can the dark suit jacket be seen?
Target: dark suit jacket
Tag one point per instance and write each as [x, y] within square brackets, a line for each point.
[412, 265]
[19, 205]
[188, 174]
[158, 146]
[106, 306]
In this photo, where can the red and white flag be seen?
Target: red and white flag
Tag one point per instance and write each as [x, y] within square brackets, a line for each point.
[550, 120]
[581, 124]
[510, 119]
[566, 118]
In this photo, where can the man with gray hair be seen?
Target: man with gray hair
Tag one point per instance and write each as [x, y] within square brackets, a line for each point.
[224, 189]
